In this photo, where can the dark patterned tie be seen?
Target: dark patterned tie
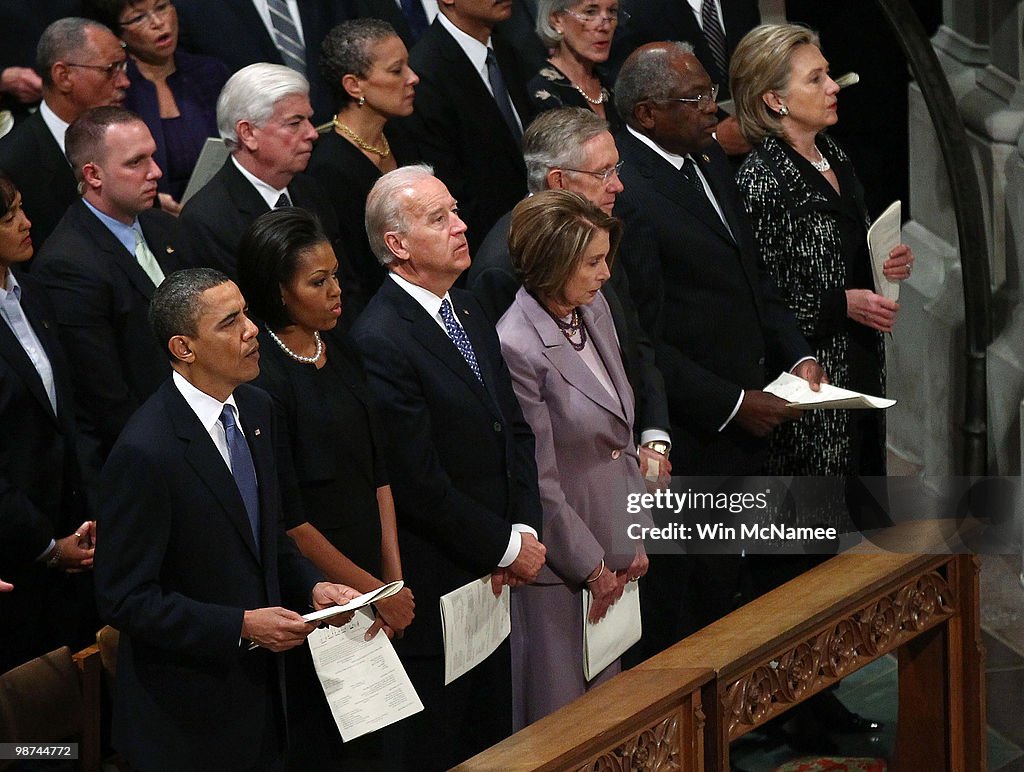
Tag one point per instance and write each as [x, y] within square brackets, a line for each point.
[689, 171]
[715, 37]
[501, 95]
[242, 469]
[283, 200]
[286, 35]
[459, 338]
[416, 17]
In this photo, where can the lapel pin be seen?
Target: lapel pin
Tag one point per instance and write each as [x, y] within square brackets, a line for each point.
[170, 249]
[465, 311]
[256, 432]
[705, 158]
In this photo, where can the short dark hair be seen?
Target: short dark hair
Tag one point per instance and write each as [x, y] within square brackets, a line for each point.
[647, 74]
[268, 256]
[108, 11]
[8, 192]
[83, 141]
[346, 51]
[548, 235]
[176, 306]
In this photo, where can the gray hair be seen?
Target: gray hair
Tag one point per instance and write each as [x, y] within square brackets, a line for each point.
[548, 35]
[555, 140]
[177, 303]
[346, 51]
[384, 206]
[61, 41]
[250, 95]
[647, 74]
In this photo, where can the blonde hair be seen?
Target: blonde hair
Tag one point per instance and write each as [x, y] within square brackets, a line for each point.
[761, 63]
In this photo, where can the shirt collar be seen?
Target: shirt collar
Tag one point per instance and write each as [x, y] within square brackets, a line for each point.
[676, 160]
[206, 408]
[473, 48]
[58, 128]
[123, 233]
[269, 193]
[13, 288]
[431, 303]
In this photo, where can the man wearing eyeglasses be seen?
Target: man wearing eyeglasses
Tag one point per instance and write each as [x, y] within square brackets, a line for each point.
[82, 65]
[721, 331]
[571, 148]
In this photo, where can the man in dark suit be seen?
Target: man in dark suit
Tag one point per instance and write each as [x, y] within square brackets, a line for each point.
[45, 535]
[461, 456]
[263, 116]
[194, 564]
[82, 65]
[101, 265]
[242, 32]
[721, 331]
[470, 111]
[571, 149]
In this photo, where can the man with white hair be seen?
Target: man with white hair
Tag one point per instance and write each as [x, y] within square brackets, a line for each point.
[263, 116]
[460, 456]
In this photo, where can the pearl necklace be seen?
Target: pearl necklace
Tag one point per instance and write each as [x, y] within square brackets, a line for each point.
[361, 143]
[822, 164]
[298, 357]
[605, 96]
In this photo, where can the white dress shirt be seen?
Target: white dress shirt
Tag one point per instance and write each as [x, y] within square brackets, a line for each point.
[208, 410]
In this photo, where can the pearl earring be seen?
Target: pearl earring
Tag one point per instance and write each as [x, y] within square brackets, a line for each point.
[362, 101]
[783, 111]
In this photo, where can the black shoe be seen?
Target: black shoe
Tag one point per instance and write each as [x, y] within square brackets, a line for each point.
[854, 723]
[838, 718]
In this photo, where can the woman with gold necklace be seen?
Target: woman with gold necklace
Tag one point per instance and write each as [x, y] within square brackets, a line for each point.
[366, 65]
[579, 35]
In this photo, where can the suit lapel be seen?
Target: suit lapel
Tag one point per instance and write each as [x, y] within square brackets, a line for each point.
[204, 458]
[107, 243]
[431, 337]
[567, 360]
[244, 197]
[14, 354]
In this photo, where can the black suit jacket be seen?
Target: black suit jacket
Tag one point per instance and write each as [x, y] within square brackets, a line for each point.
[460, 454]
[213, 221]
[102, 298]
[233, 31]
[458, 128]
[494, 284]
[176, 567]
[33, 159]
[651, 20]
[41, 494]
[717, 321]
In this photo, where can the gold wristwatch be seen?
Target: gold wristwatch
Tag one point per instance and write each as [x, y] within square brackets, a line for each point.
[658, 446]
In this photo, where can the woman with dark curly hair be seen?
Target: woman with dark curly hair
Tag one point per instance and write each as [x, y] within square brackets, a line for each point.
[366, 65]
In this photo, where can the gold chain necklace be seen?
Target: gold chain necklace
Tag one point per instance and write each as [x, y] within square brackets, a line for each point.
[361, 143]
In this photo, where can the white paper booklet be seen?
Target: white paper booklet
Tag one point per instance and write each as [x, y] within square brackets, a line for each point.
[211, 158]
[883, 236]
[364, 682]
[606, 641]
[382, 592]
[473, 623]
[797, 393]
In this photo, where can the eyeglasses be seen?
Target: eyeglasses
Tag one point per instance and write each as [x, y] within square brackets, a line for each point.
[604, 174]
[701, 101]
[591, 17]
[157, 13]
[107, 69]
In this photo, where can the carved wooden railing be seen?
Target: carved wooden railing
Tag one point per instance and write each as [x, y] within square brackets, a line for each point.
[681, 709]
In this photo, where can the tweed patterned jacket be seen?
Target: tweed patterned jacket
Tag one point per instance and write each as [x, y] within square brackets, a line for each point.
[797, 230]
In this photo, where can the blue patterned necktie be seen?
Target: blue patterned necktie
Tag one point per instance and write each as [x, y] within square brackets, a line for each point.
[416, 17]
[286, 35]
[242, 469]
[459, 338]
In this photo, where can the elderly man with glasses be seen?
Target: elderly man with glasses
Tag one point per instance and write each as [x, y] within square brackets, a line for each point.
[720, 330]
[571, 149]
[82, 65]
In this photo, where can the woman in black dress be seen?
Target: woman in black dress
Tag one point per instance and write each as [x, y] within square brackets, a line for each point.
[329, 450]
[366, 65]
[579, 36]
